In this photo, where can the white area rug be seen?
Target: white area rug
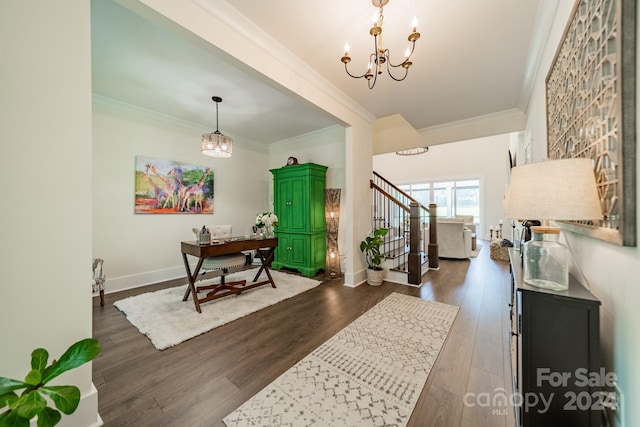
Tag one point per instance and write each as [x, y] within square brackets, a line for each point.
[369, 374]
[167, 320]
[475, 253]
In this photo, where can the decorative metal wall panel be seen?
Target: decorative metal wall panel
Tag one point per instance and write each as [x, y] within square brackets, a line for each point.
[591, 110]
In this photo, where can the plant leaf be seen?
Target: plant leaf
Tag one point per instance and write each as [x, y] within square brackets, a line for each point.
[65, 397]
[30, 404]
[7, 385]
[76, 355]
[49, 417]
[33, 377]
[39, 358]
[11, 419]
[7, 399]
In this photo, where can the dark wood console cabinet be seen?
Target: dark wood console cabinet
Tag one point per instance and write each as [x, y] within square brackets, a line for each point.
[555, 344]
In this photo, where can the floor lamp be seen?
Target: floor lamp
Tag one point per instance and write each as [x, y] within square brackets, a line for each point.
[332, 215]
[562, 189]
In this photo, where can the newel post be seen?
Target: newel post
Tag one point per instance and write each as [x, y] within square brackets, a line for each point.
[433, 237]
[415, 259]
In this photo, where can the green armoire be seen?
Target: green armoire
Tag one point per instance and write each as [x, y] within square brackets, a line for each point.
[298, 201]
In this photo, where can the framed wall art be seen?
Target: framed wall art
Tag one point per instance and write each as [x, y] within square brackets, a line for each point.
[591, 111]
[170, 187]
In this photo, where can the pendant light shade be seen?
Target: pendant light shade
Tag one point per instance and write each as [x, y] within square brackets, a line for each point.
[215, 144]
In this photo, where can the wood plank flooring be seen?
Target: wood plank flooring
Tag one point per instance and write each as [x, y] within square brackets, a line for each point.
[198, 382]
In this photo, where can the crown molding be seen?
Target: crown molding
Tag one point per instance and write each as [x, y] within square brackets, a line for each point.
[545, 17]
[475, 127]
[115, 106]
[225, 12]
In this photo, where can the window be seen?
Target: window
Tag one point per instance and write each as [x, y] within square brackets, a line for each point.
[454, 197]
[443, 197]
[468, 198]
[421, 192]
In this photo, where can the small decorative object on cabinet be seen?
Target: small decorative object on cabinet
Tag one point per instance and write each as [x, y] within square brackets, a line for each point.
[298, 201]
[555, 347]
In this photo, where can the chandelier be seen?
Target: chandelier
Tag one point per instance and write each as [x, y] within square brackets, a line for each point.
[412, 151]
[380, 55]
[216, 144]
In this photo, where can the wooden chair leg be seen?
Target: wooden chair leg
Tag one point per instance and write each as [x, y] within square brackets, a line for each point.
[101, 298]
[217, 287]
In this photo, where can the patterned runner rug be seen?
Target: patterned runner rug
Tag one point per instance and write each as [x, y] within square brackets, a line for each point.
[369, 374]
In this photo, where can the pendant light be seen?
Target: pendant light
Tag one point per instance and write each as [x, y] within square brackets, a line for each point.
[216, 144]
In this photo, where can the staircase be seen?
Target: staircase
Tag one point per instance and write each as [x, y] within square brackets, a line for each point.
[408, 222]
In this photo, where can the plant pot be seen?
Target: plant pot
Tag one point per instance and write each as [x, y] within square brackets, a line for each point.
[375, 277]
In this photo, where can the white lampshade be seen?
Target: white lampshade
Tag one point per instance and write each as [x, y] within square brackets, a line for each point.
[562, 189]
[552, 190]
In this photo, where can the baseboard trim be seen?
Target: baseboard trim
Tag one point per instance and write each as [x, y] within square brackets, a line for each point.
[353, 280]
[143, 279]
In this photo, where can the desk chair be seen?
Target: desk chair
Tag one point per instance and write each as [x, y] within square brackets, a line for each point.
[97, 284]
[221, 263]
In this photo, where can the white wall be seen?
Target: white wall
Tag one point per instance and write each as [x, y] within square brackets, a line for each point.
[45, 134]
[482, 158]
[611, 270]
[140, 249]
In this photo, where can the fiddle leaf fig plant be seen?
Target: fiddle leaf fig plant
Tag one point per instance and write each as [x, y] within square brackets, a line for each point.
[370, 247]
[19, 409]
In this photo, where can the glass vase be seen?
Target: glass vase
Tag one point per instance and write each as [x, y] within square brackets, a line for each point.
[546, 260]
[268, 231]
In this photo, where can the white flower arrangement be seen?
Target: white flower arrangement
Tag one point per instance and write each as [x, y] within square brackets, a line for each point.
[267, 219]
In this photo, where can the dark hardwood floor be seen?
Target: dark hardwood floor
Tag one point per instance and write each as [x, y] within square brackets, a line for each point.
[199, 381]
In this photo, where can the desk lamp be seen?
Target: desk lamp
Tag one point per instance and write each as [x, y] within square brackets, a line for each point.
[551, 190]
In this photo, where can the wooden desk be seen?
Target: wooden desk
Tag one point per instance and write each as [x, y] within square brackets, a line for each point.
[226, 246]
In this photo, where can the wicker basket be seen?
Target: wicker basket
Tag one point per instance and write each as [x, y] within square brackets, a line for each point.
[499, 252]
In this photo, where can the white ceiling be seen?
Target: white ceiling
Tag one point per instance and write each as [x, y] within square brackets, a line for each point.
[474, 58]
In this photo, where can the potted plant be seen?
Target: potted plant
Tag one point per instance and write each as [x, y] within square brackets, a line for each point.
[370, 247]
[31, 402]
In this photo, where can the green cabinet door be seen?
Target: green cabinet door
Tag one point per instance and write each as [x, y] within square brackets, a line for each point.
[290, 203]
[292, 251]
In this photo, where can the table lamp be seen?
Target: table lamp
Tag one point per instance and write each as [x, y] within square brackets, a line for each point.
[562, 189]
